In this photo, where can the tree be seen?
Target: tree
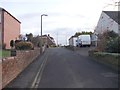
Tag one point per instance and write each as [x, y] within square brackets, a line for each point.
[111, 34]
[109, 42]
[12, 43]
[29, 37]
[36, 41]
[81, 33]
[20, 37]
[113, 45]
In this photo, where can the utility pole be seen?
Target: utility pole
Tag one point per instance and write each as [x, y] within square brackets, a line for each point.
[57, 38]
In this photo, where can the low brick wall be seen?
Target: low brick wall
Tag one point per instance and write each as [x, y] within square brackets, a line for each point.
[12, 66]
[0, 74]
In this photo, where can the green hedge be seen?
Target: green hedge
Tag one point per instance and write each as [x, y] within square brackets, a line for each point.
[109, 59]
[24, 46]
[113, 45]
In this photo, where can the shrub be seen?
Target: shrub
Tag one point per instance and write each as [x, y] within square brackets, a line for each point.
[108, 42]
[36, 41]
[113, 45]
[24, 46]
[12, 43]
[111, 34]
[17, 41]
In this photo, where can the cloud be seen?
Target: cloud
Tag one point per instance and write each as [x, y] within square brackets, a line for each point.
[61, 34]
[19, 1]
[65, 17]
[53, 21]
[29, 15]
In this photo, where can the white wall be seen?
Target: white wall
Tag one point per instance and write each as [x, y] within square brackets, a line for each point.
[72, 41]
[106, 23]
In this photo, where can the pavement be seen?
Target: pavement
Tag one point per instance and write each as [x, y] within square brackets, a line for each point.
[62, 68]
[26, 77]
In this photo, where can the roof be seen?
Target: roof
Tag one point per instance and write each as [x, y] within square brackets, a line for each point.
[72, 37]
[2, 9]
[44, 36]
[48, 37]
[114, 15]
[51, 37]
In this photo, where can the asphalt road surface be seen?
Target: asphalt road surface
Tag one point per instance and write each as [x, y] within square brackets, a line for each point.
[62, 68]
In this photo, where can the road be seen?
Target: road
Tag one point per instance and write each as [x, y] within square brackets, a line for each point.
[62, 68]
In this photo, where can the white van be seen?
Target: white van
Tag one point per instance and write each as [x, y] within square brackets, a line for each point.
[84, 40]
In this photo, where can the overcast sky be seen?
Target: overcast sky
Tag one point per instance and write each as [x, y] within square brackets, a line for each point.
[65, 17]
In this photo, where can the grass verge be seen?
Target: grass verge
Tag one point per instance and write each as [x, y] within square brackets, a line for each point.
[109, 59]
[4, 53]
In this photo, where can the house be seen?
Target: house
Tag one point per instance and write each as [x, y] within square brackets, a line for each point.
[73, 41]
[48, 40]
[9, 27]
[94, 39]
[109, 20]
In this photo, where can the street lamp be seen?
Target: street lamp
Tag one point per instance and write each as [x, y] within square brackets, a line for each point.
[41, 33]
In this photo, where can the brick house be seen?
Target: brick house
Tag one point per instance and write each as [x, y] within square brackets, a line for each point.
[48, 40]
[9, 27]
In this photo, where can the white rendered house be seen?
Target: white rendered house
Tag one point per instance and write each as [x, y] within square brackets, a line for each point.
[109, 20]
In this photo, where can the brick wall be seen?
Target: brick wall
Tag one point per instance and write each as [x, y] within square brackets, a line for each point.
[12, 66]
[0, 74]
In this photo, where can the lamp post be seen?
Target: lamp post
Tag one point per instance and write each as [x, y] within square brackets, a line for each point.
[41, 33]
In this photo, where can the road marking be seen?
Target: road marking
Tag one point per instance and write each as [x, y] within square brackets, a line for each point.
[39, 74]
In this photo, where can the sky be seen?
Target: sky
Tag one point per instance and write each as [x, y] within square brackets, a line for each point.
[65, 17]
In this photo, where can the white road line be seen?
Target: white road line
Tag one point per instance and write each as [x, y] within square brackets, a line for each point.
[39, 74]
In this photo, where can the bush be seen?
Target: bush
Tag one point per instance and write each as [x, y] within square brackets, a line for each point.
[24, 46]
[109, 42]
[17, 41]
[36, 41]
[113, 45]
[12, 43]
